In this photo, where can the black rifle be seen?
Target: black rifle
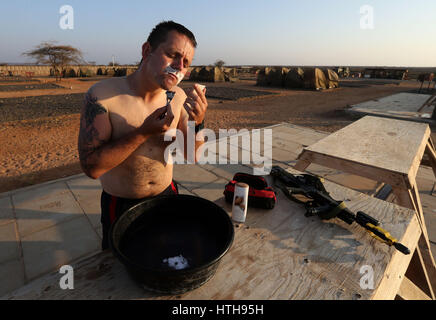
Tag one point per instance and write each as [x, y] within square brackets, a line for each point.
[325, 207]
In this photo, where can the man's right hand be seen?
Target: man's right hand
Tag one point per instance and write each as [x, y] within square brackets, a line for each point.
[158, 122]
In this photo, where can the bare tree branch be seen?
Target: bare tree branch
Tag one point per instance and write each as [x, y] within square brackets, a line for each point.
[219, 63]
[57, 56]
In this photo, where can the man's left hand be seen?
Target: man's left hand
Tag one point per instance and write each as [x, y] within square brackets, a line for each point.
[196, 104]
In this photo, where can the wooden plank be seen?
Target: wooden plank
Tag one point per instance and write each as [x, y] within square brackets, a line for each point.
[413, 171]
[277, 254]
[355, 182]
[302, 163]
[429, 150]
[424, 247]
[395, 272]
[431, 143]
[407, 198]
[417, 272]
[395, 179]
[409, 291]
[404, 198]
[358, 183]
[376, 142]
[428, 263]
[418, 208]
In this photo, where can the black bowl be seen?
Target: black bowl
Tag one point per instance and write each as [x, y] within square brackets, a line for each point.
[168, 226]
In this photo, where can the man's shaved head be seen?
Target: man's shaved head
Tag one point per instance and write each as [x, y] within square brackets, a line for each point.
[160, 32]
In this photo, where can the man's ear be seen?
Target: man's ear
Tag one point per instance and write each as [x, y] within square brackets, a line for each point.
[146, 50]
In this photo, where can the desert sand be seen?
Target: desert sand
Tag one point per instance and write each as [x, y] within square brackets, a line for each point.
[39, 125]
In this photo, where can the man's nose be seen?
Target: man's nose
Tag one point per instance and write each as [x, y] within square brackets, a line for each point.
[177, 64]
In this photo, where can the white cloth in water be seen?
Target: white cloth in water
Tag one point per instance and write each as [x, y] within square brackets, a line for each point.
[179, 262]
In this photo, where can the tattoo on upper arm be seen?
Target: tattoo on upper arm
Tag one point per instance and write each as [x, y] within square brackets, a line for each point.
[92, 109]
[89, 135]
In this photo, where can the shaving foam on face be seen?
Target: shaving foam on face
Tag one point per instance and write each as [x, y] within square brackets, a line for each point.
[177, 73]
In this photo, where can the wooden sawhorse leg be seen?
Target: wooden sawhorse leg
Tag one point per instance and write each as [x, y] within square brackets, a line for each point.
[410, 199]
[302, 162]
[430, 151]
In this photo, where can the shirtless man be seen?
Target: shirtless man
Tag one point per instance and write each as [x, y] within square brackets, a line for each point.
[124, 120]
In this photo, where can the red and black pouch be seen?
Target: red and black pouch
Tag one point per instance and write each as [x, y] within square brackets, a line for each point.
[260, 195]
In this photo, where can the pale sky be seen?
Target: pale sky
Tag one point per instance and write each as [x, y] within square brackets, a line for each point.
[240, 32]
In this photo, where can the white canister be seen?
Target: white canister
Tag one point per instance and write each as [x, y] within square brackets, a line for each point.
[240, 202]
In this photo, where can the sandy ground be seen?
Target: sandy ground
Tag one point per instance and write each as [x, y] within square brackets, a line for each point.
[37, 145]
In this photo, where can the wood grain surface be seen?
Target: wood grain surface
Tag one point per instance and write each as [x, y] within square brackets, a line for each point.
[276, 254]
[392, 145]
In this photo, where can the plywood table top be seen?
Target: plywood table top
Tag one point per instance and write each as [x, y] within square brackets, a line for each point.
[388, 145]
[276, 254]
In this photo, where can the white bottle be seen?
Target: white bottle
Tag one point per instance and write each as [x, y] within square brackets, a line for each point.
[240, 202]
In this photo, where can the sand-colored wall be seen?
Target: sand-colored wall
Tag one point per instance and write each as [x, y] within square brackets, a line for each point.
[18, 70]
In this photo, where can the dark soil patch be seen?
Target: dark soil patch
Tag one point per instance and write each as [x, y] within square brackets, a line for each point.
[26, 108]
[21, 87]
[365, 83]
[17, 79]
[94, 78]
[233, 94]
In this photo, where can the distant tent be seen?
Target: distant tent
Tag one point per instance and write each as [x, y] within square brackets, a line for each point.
[85, 72]
[271, 77]
[343, 72]
[314, 78]
[276, 77]
[400, 74]
[294, 78]
[120, 72]
[332, 78]
[188, 73]
[228, 78]
[261, 77]
[69, 73]
[230, 74]
[193, 75]
[110, 72]
[210, 74]
[346, 72]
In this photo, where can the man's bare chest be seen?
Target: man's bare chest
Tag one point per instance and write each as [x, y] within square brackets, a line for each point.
[126, 114]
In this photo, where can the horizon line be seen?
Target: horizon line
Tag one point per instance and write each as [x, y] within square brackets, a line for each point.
[4, 64]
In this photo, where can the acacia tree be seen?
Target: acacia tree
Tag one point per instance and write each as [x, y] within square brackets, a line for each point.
[57, 56]
[219, 63]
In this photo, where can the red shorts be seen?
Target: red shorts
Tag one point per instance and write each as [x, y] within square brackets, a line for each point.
[113, 207]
